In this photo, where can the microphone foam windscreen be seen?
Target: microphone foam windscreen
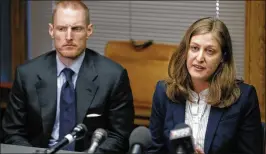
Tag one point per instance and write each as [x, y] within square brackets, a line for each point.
[140, 135]
[82, 126]
[180, 131]
[80, 130]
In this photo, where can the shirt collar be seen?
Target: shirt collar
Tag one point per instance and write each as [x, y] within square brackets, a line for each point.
[202, 95]
[75, 66]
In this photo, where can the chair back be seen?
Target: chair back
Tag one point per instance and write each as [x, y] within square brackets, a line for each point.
[146, 64]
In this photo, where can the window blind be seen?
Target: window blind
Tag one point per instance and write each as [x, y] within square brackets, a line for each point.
[163, 21]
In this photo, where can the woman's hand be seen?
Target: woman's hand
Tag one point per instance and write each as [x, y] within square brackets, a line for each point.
[199, 151]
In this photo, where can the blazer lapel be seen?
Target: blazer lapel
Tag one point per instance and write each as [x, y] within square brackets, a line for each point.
[86, 86]
[214, 119]
[178, 110]
[46, 89]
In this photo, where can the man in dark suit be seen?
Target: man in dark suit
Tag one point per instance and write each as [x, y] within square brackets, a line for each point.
[55, 91]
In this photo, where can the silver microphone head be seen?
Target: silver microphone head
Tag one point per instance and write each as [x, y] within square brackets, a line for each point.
[99, 135]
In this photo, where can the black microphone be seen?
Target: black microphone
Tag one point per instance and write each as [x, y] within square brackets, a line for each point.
[181, 139]
[77, 133]
[139, 140]
[99, 135]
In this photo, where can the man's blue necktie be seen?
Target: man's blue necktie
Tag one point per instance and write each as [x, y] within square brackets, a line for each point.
[67, 108]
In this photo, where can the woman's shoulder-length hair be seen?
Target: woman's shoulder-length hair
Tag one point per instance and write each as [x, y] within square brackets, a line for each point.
[223, 86]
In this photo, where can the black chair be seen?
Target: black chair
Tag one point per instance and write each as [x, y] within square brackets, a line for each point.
[1, 130]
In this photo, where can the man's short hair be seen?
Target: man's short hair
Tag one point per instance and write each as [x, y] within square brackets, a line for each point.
[73, 4]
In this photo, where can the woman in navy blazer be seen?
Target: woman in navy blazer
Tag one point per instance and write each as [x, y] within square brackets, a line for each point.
[202, 92]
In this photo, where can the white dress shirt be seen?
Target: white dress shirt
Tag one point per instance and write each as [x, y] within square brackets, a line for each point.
[197, 115]
[61, 79]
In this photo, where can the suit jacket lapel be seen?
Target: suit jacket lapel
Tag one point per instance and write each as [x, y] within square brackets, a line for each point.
[86, 86]
[214, 119]
[178, 110]
[46, 89]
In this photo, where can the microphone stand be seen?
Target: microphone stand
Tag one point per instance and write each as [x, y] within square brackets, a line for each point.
[40, 152]
[57, 147]
[136, 149]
